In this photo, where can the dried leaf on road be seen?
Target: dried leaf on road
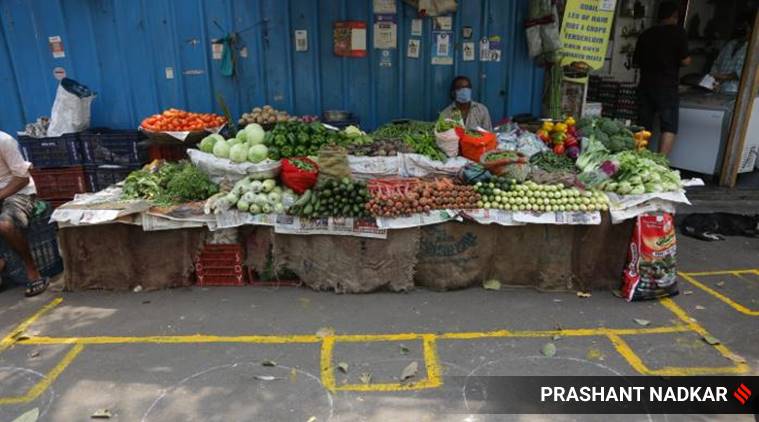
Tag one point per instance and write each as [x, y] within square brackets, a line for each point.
[584, 295]
[325, 332]
[343, 367]
[492, 284]
[410, 371]
[404, 350]
[711, 340]
[642, 322]
[700, 308]
[556, 337]
[687, 292]
[366, 378]
[736, 358]
[101, 414]
[557, 301]
[34, 354]
[721, 284]
[268, 363]
[549, 350]
[30, 416]
[266, 378]
[311, 419]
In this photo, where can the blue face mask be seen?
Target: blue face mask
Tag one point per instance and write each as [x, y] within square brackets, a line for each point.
[464, 95]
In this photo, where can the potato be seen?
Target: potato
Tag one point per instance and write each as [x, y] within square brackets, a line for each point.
[256, 110]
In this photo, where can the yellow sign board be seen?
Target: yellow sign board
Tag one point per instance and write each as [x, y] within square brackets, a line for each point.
[585, 31]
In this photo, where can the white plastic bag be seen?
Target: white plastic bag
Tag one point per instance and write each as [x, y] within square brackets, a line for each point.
[221, 170]
[448, 142]
[71, 109]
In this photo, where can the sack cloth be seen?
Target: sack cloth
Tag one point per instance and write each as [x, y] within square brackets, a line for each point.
[333, 163]
[448, 142]
[71, 109]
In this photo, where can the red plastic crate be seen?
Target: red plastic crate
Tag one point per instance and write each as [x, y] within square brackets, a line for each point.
[167, 152]
[220, 265]
[56, 183]
[220, 280]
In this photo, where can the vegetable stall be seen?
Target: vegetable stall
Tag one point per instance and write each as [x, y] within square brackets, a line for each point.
[411, 204]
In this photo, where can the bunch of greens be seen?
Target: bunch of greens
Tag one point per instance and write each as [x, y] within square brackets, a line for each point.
[639, 174]
[417, 135]
[170, 183]
[552, 163]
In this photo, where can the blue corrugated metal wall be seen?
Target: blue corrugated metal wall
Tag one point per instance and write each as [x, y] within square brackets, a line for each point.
[121, 49]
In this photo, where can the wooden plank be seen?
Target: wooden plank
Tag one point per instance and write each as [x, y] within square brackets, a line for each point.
[747, 91]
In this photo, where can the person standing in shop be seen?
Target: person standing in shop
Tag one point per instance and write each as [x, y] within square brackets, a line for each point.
[728, 66]
[473, 114]
[17, 196]
[660, 52]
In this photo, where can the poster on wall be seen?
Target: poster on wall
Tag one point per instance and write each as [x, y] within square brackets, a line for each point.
[301, 40]
[442, 48]
[585, 31]
[442, 23]
[384, 6]
[56, 46]
[386, 60]
[414, 45]
[467, 51]
[484, 50]
[349, 38]
[416, 27]
[494, 48]
[385, 32]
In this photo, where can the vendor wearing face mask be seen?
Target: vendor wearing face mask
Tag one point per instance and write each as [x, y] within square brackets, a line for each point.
[473, 113]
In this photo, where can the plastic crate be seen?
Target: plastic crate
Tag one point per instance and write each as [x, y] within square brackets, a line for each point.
[43, 243]
[100, 177]
[60, 151]
[220, 265]
[58, 183]
[167, 152]
[118, 147]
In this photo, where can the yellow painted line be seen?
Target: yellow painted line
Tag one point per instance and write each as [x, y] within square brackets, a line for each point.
[737, 306]
[724, 272]
[47, 380]
[9, 340]
[325, 363]
[196, 338]
[351, 338]
[431, 362]
[627, 352]
[475, 335]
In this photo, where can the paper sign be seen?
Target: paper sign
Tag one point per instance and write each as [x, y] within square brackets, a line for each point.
[384, 6]
[358, 39]
[413, 48]
[169, 72]
[385, 32]
[59, 73]
[416, 27]
[585, 31]
[484, 50]
[494, 47]
[56, 47]
[244, 52]
[467, 50]
[441, 49]
[442, 23]
[301, 40]
[386, 59]
[217, 49]
[349, 38]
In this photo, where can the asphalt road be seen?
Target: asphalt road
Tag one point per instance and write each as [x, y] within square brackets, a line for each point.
[291, 354]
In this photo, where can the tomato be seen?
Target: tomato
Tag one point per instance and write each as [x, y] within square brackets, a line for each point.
[558, 149]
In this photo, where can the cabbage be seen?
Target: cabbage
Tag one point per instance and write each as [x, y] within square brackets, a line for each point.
[242, 136]
[268, 185]
[274, 198]
[206, 145]
[238, 153]
[234, 141]
[242, 205]
[257, 153]
[221, 149]
[254, 133]
[256, 186]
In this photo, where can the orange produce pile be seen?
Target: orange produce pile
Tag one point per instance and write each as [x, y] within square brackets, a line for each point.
[175, 120]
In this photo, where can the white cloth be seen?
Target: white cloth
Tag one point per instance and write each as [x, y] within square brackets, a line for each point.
[12, 164]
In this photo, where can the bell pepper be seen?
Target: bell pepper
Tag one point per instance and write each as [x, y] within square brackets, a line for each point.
[547, 126]
[558, 137]
[543, 135]
[570, 121]
[560, 127]
[558, 149]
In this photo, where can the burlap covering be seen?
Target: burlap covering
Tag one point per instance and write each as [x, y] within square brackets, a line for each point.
[346, 264]
[121, 257]
[441, 257]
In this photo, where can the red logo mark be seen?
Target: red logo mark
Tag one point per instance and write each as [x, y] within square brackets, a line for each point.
[742, 394]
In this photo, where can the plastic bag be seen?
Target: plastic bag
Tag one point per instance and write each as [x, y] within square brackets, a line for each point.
[71, 109]
[651, 270]
[297, 179]
[448, 142]
[333, 162]
[473, 173]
